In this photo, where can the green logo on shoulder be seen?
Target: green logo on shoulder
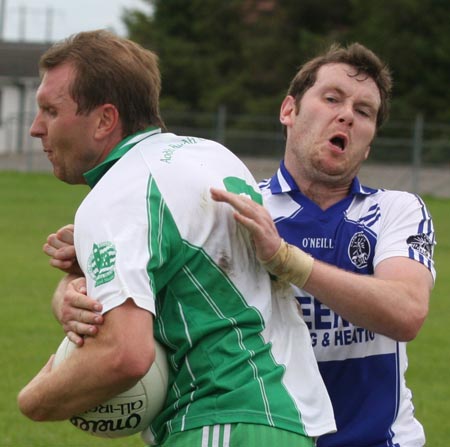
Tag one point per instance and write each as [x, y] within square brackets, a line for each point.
[101, 263]
[239, 186]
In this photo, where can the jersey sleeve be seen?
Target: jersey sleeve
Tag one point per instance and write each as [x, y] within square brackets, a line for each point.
[113, 237]
[406, 230]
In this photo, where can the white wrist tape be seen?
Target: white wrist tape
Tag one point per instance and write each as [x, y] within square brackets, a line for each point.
[290, 264]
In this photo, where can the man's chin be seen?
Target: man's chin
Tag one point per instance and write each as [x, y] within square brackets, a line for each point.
[62, 175]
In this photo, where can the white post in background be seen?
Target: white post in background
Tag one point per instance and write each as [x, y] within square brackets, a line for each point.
[22, 22]
[417, 150]
[49, 15]
[2, 18]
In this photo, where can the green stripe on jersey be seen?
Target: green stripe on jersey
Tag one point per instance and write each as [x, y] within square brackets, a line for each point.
[222, 370]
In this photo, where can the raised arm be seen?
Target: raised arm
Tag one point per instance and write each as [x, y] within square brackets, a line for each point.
[393, 302]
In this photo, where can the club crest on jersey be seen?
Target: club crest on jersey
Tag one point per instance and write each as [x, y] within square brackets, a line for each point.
[101, 263]
[359, 250]
[421, 243]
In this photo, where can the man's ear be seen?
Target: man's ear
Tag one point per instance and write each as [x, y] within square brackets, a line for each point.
[366, 155]
[108, 121]
[287, 110]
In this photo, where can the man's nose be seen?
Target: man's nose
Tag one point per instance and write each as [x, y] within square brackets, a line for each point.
[37, 129]
[346, 114]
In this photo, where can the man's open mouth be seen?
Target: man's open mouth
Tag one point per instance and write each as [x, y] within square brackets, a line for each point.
[339, 141]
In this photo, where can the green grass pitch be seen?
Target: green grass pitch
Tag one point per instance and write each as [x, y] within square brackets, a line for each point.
[34, 205]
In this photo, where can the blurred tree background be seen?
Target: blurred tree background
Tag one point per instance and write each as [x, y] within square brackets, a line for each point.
[243, 53]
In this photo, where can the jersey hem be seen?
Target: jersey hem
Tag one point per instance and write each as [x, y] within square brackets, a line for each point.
[141, 302]
[181, 425]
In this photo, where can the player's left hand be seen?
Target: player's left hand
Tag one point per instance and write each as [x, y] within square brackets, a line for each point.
[78, 313]
[60, 247]
[256, 219]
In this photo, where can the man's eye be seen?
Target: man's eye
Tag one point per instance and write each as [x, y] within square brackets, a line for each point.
[366, 113]
[50, 111]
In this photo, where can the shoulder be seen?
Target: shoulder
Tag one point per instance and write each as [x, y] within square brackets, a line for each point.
[386, 210]
[168, 148]
[180, 159]
[392, 200]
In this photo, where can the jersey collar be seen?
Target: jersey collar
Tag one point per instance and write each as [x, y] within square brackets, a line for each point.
[95, 174]
[283, 182]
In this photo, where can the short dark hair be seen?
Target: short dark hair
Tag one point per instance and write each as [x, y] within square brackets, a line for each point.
[357, 56]
[110, 70]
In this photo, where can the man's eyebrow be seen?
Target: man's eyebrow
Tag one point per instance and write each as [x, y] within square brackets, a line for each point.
[366, 102]
[334, 89]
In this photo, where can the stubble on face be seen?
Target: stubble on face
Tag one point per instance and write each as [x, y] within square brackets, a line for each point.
[335, 105]
[66, 135]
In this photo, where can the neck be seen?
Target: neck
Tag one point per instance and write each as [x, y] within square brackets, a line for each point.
[109, 143]
[321, 189]
[324, 196]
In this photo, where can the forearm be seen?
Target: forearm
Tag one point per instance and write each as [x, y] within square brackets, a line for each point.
[386, 307]
[76, 385]
[393, 302]
[105, 366]
[58, 295]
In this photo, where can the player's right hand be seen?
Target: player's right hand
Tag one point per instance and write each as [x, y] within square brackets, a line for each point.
[60, 247]
[255, 218]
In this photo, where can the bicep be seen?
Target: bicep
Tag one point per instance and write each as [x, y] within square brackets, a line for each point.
[129, 329]
[411, 275]
[406, 270]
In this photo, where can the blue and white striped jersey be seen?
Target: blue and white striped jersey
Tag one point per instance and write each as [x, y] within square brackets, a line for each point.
[363, 371]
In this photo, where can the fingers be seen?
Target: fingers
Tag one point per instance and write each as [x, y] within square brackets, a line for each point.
[75, 338]
[251, 214]
[248, 222]
[255, 218]
[76, 330]
[240, 203]
[76, 300]
[61, 243]
[79, 286]
[65, 234]
[79, 314]
[62, 265]
[59, 249]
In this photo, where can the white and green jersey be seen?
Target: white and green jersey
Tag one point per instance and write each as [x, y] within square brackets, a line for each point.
[238, 349]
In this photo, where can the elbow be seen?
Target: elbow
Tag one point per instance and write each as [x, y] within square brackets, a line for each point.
[134, 364]
[411, 330]
[138, 369]
[412, 325]
[37, 416]
[415, 312]
[30, 409]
